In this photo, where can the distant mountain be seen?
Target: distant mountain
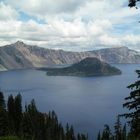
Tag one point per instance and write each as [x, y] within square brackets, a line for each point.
[20, 55]
[118, 55]
[86, 67]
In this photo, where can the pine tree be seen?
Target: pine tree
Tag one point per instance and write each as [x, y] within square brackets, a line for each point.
[3, 117]
[32, 124]
[99, 136]
[67, 132]
[133, 3]
[17, 112]
[133, 104]
[26, 130]
[11, 114]
[32, 116]
[124, 135]
[118, 129]
[72, 136]
[78, 137]
[83, 137]
[11, 106]
[2, 102]
[106, 133]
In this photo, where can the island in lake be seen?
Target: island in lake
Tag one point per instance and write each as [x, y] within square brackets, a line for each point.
[86, 67]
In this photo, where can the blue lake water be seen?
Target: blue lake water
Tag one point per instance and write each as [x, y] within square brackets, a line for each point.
[86, 103]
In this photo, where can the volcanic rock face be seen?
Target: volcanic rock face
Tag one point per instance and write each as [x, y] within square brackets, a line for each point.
[118, 55]
[20, 55]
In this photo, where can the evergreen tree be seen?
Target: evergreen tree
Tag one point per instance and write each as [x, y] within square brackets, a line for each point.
[106, 133]
[4, 130]
[67, 132]
[78, 137]
[11, 114]
[133, 3]
[118, 130]
[2, 102]
[31, 124]
[83, 137]
[11, 107]
[3, 117]
[17, 112]
[124, 135]
[72, 133]
[133, 104]
[99, 136]
[61, 132]
[32, 116]
[26, 130]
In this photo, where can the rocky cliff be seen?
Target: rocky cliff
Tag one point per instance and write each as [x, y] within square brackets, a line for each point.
[20, 55]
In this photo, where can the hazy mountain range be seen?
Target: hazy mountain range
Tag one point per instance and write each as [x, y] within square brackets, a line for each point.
[20, 55]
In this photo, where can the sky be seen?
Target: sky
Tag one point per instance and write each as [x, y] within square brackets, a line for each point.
[74, 25]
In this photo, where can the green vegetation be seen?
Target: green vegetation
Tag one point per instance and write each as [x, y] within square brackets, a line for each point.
[9, 138]
[133, 105]
[133, 3]
[16, 124]
[86, 67]
[132, 117]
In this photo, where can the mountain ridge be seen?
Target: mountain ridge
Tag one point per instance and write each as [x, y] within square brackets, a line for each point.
[20, 55]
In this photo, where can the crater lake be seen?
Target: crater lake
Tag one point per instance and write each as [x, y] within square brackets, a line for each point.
[87, 103]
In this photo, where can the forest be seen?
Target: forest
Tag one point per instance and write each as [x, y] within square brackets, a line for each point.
[30, 124]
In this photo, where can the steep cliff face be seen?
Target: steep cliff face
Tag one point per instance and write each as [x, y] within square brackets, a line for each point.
[11, 58]
[20, 55]
[118, 55]
[41, 57]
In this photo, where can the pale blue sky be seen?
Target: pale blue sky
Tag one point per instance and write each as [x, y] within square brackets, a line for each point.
[70, 24]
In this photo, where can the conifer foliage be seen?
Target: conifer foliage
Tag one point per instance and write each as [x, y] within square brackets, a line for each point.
[133, 105]
[16, 124]
[133, 3]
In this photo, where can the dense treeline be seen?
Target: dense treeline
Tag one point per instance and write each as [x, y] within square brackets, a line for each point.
[16, 124]
[119, 132]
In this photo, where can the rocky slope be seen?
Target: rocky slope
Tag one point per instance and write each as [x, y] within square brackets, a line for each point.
[20, 55]
[86, 67]
[118, 55]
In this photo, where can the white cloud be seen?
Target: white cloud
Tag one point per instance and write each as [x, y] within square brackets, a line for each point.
[73, 9]
[67, 35]
[41, 7]
[109, 40]
[7, 12]
[69, 24]
[54, 33]
[132, 39]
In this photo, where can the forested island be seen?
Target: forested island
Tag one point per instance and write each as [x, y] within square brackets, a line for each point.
[87, 67]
